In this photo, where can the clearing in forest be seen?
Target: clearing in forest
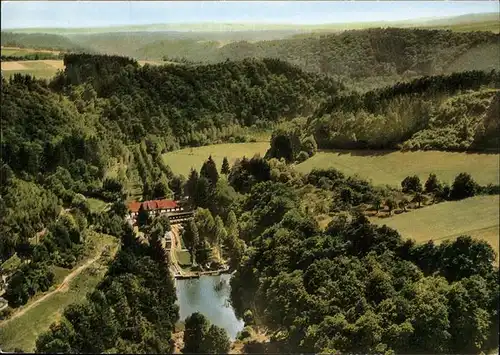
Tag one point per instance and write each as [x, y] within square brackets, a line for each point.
[391, 167]
[16, 51]
[476, 216]
[181, 161]
[26, 324]
[43, 69]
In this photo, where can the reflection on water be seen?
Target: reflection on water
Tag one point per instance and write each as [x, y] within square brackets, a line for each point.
[208, 295]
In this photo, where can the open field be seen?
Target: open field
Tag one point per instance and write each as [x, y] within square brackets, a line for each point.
[11, 264]
[43, 68]
[476, 216]
[39, 68]
[16, 51]
[153, 62]
[391, 167]
[22, 330]
[96, 205]
[183, 257]
[181, 161]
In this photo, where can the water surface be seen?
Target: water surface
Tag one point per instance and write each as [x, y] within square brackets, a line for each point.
[200, 295]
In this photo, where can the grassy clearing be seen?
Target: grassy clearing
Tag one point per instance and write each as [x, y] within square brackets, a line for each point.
[181, 161]
[183, 257]
[11, 264]
[384, 167]
[477, 216]
[16, 51]
[152, 62]
[96, 205]
[39, 68]
[59, 274]
[22, 331]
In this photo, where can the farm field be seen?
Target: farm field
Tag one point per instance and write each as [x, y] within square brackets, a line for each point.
[391, 167]
[488, 25]
[181, 161]
[43, 68]
[16, 51]
[38, 68]
[21, 332]
[476, 216]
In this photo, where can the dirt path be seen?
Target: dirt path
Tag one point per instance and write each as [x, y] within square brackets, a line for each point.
[175, 244]
[63, 287]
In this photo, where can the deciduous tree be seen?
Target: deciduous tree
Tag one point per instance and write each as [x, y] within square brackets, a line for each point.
[464, 186]
[195, 331]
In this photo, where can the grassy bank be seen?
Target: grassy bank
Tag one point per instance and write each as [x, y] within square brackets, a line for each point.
[391, 167]
[21, 332]
[477, 216]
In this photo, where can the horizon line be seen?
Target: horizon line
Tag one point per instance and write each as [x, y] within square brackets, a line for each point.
[248, 23]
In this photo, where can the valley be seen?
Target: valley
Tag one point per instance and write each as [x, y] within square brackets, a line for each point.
[214, 186]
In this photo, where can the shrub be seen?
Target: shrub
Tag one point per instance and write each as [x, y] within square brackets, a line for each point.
[303, 156]
[464, 186]
[432, 184]
[411, 184]
[248, 317]
[245, 333]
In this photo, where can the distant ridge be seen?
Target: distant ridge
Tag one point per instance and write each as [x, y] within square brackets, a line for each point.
[224, 27]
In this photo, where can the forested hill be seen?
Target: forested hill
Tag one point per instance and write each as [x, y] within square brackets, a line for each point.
[457, 112]
[385, 54]
[61, 136]
[40, 41]
[438, 112]
[193, 105]
[364, 59]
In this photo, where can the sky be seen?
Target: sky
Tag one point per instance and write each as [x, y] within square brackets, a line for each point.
[29, 14]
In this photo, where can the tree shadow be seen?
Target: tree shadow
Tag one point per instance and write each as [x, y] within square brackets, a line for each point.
[271, 347]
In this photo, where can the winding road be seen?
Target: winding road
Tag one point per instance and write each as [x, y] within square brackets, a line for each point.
[63, 287]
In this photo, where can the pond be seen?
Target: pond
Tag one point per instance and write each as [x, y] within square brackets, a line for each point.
[203, 295]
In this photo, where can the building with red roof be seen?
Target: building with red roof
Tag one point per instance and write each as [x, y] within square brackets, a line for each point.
[134, 207]
[154, 207]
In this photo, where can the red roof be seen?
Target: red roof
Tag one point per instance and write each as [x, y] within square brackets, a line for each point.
[134, 206]
[149, 205]
[166, 204]
[159, 204]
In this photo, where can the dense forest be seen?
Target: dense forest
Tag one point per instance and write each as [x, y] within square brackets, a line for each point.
[132, 310]
[360, 288]
[452, 112]
[363, 59]
[193, 105]
[61, 135]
